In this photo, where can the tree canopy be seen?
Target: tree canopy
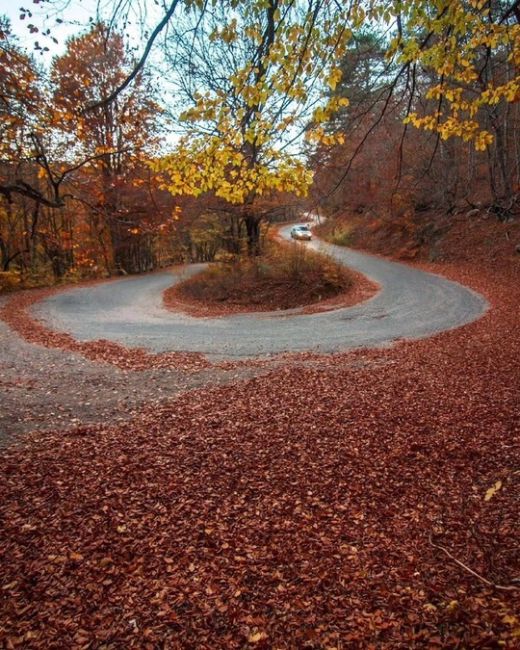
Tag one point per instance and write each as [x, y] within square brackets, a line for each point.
[255, 93]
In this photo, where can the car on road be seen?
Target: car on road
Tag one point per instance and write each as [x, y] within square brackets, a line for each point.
[301, 232]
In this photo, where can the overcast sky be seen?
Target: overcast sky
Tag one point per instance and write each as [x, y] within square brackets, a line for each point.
[65, 18]
[73, 15]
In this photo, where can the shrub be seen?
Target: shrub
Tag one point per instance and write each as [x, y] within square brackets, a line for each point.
[285, 276]
[341, 236]
[336, 232]
[9, 280]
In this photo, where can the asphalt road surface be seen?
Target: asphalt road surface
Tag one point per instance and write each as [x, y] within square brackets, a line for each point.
[411, 304]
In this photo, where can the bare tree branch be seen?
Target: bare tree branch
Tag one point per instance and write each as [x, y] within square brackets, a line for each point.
[140, 64]
[514, 9]
[22, 188]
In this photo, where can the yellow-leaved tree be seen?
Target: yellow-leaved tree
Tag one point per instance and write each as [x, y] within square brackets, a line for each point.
[471, 52]
[473, 46]
[252, 82]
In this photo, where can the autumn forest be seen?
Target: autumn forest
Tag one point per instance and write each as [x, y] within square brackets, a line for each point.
[259, 324]
[234, 123]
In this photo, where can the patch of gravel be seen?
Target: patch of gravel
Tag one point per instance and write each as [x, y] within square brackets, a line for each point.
[43, 388]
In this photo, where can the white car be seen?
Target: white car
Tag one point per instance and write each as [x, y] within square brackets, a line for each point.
[301, 232]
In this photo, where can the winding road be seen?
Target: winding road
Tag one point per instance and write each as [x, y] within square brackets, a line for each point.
[411, 304]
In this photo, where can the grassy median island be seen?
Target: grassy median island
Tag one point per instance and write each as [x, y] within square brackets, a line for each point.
[285, 276]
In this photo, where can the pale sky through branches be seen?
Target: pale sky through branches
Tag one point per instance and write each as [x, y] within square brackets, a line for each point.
[74, 17]
[67, 18]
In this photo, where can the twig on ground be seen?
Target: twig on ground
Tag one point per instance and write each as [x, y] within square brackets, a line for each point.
[473, 573]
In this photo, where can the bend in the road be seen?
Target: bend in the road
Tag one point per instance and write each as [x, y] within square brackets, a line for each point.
[411, 304]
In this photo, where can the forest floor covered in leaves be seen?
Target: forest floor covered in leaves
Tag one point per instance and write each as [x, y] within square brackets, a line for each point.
[360, 500]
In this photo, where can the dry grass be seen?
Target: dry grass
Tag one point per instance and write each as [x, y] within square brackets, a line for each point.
[335, 232]
[285, 276]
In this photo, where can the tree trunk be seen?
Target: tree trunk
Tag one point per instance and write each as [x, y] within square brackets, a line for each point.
[501, 153]
[253, 234]
[232, 237]
[5, 260]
